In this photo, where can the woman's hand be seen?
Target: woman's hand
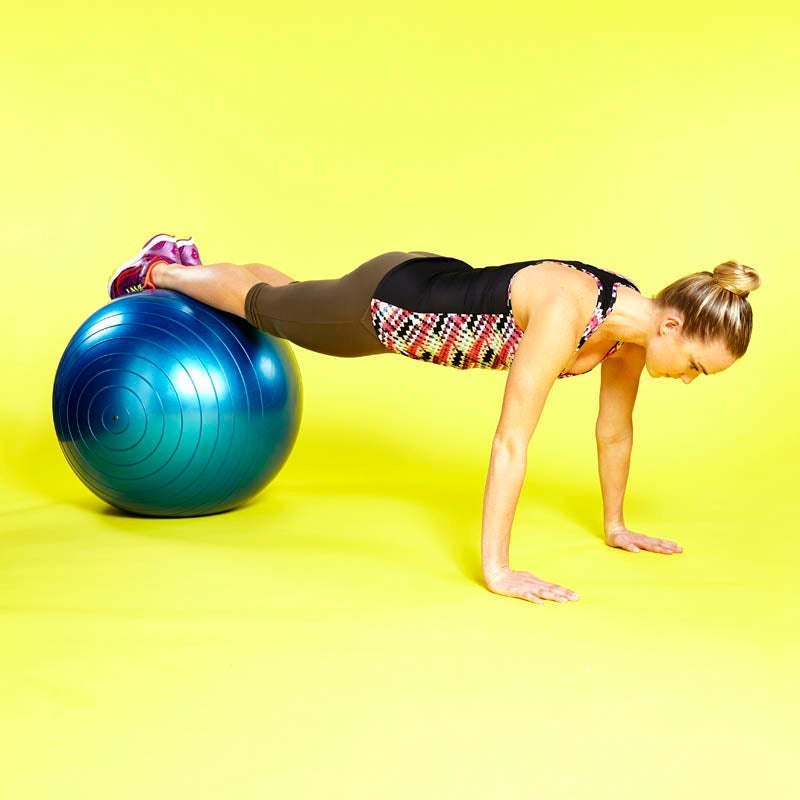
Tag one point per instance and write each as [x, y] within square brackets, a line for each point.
[527, 586]
[621, 537]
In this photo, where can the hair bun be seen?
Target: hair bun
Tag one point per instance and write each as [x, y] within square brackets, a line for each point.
[727, 287]
[736, 277]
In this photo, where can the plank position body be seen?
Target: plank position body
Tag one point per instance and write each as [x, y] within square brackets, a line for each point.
[540, 320]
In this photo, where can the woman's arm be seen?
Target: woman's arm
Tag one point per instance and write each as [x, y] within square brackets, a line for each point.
[619, 385]
[614, 460]
[503, 487]
[547, 345]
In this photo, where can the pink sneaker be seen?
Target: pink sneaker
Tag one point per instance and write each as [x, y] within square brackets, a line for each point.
[188, 252]
[134, 275]
[162, 245]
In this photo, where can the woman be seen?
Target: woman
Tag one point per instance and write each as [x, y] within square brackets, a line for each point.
[442, 310]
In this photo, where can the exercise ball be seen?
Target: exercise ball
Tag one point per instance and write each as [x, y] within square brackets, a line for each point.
[165, 406]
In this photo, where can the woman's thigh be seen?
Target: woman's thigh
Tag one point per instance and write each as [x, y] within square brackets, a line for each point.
[330, 316]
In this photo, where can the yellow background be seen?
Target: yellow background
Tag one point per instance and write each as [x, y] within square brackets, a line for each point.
[334, 639]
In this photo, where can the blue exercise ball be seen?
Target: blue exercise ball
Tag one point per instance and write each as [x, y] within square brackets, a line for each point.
[165, 406]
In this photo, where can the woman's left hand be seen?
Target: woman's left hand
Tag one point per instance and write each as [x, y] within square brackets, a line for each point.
[630, 540]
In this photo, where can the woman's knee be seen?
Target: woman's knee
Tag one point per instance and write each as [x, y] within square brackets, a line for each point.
[269, 274]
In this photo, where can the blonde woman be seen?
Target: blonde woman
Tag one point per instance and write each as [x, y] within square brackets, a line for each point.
[540, 320]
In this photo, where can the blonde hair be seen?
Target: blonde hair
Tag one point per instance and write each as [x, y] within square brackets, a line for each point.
[714, 304]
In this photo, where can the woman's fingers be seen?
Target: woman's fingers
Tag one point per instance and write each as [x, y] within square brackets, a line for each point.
[551, 591]
[657, 545]
[556, 593]
[633, 542]
[532, 596]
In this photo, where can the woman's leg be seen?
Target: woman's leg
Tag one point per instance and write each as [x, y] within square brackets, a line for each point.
[223, 286]
[269, 275]
[331, 316]
[328, 315]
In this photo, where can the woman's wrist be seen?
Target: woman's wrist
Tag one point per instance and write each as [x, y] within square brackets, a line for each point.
[491, 571]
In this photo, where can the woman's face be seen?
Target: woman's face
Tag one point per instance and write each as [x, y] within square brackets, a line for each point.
[671, 355]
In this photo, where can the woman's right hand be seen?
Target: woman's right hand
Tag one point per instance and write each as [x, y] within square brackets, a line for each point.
[526, 586]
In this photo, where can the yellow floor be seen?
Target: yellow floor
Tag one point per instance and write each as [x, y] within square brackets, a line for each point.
[334, 638]
[334, 635]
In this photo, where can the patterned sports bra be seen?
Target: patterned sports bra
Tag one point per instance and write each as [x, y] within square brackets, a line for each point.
[444, 311]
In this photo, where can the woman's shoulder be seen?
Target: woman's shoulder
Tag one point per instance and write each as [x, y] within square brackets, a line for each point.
[540, 285]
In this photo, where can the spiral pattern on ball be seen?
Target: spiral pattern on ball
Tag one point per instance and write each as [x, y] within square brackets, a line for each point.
[166, 406]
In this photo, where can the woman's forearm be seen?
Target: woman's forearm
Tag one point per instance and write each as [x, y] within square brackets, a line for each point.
[614, 461]
[503, 486]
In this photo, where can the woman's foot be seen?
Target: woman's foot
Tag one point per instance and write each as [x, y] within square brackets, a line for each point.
[187, 251]
[135, 275]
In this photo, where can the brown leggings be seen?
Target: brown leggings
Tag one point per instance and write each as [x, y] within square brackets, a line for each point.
[330, 316]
